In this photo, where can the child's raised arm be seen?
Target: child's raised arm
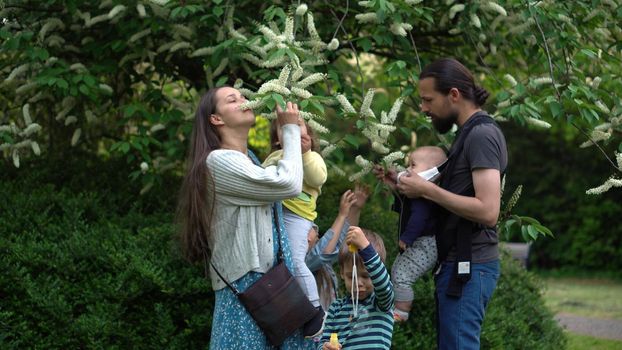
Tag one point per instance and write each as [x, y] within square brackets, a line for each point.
[361, 193]
[347, 200]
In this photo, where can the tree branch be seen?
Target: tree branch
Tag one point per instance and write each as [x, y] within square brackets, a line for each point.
[356, 55]
[559, 96]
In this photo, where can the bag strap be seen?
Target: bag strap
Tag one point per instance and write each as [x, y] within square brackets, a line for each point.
[233, 289]
[280, 257]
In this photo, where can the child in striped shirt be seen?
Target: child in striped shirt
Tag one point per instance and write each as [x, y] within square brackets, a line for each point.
[363, 320]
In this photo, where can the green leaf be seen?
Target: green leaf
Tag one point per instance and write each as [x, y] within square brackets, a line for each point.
[409, 90]
[589, 53]
[221, 81]
[318, 106]
[351, 139]
[502, 96]
[83, 89]
[556, 109]
[89, 80]
[520, 90]
[533, 233]
[62, 83]
[360, 124]
[365, 44]
[545, 230]
[279, 99]
[529, 220]
[525, 233]
[406, 131]
[217, 11]
[270, 102]
[277, 54]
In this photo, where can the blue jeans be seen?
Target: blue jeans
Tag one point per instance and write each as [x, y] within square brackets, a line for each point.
[459, 320]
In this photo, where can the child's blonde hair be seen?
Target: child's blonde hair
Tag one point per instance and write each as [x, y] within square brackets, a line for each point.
[345, 256]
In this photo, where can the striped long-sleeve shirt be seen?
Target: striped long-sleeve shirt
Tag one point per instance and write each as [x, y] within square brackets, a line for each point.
[373, 327]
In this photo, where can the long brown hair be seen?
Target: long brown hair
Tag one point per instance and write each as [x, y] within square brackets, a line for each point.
[196, 199]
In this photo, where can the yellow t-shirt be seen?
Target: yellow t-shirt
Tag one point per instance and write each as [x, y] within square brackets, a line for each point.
[314, 176]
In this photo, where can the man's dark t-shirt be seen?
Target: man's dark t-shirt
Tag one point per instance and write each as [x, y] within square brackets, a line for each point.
[484, 148]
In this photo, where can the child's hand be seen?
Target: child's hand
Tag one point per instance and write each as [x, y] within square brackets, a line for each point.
[328, 346]
[356, 236]
[361, 193]
[402, 245]
[305, 143]
[288, 116]
[389, 177]
[348, 199]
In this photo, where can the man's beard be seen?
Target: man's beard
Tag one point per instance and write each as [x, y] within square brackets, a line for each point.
[443, 125]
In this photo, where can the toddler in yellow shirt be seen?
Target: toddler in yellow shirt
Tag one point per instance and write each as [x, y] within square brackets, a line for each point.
[299, 213]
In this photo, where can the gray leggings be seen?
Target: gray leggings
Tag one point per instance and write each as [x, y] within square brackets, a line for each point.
[412, 264]
[297, 232]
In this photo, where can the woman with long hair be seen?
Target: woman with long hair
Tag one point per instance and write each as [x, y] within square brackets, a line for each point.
[225, 209]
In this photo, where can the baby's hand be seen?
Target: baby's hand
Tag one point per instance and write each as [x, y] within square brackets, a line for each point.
[389, 177]
[305, 143]
[356, 236]
[402, 245]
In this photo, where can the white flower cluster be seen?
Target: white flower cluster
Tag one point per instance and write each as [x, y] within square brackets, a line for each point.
[377, 132]
[294, 79]
[538, 123]
[400, 29]
[366, 166]
[15, 131]
[596, 136]
[611, 182]
[542, 81]
[494, 7]
[510, 80]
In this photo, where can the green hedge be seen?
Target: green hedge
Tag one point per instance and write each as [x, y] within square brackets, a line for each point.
[87, 263]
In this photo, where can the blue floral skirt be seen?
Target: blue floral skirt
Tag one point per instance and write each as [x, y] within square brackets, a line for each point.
[232, 326]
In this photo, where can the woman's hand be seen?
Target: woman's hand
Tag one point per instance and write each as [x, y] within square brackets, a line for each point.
[356, 236]
[288, 116]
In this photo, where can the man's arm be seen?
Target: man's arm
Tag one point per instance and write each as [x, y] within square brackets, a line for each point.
[483, 208]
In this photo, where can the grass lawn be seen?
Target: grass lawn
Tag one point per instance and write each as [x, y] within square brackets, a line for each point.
[588, 297]
[582, 342]
[598, 298]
